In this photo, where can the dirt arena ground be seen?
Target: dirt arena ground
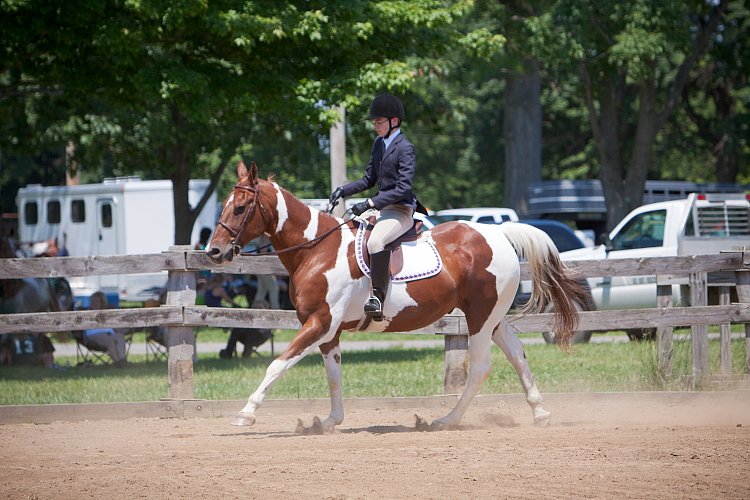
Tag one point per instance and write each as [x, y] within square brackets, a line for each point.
[645, 445]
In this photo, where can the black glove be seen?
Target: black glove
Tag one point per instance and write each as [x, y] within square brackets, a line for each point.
[337, 194]
[360, 208]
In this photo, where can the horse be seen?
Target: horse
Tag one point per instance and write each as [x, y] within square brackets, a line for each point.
[480, 276]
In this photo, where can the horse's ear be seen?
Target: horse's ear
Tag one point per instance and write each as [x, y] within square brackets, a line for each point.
[241, 169]
[253, 172]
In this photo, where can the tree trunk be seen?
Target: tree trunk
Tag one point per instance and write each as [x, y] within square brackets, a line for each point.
[640, 157]
[184, 217]
[606, 130]
[72, 174]
[624, 185]
[522, 131]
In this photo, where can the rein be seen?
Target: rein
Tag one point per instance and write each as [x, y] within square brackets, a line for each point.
[234, 233]
[256, 252]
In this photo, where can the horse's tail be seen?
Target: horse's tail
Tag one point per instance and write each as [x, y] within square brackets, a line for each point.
[550, 277]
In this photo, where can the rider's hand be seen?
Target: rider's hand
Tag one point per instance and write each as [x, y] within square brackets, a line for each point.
[360, 208]
[338, 193]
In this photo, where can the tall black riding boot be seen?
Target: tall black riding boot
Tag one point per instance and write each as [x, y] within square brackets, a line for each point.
[381, 278]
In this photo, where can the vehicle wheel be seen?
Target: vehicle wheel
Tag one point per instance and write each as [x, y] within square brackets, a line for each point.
[579, 337]
[641, 334]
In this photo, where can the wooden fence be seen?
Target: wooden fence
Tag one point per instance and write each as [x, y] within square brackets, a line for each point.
[181, 315]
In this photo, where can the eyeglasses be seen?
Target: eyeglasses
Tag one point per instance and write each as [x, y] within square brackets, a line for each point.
[379, 122]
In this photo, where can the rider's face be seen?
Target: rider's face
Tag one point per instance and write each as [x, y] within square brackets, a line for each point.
[380, 125]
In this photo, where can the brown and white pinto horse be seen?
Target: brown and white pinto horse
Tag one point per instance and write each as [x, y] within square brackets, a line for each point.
[480, 276]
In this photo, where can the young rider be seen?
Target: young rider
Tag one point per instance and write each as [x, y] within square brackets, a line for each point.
[391, 167]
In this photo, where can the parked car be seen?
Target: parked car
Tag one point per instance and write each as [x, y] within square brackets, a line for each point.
[428, 221]
[483, 215]
[562, 235]
[565, 239]
[700, 224]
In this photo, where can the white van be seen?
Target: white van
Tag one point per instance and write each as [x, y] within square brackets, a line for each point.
[485, 215]
[123, 216]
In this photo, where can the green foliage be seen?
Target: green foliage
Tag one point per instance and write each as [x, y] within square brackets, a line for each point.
[178, 89]
[182, 83]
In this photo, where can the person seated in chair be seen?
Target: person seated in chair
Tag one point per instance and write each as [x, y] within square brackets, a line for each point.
[251, 338]
[215, 293]
[109, 340]
[32, 349]
[392, 166]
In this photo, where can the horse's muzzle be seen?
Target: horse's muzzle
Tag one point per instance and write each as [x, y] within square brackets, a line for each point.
[218, 256]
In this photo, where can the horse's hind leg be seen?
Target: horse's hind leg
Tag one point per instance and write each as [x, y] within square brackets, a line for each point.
[479, 370]
[513, 349]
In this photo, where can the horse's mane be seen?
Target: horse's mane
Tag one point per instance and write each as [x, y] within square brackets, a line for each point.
[271, 179]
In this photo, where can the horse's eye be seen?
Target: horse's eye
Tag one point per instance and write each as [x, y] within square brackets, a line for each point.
[239, 210]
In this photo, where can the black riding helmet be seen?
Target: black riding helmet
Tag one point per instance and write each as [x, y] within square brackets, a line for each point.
[387, 106]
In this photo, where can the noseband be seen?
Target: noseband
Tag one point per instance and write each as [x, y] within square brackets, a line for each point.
[249, 213]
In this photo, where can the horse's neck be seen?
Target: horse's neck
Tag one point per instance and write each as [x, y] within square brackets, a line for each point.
[10, 288]
[299, 221]
[31, 295]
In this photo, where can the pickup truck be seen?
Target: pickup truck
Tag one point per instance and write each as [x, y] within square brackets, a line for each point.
[698, 225]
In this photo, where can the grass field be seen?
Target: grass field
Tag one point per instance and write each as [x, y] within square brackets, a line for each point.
[376, 373]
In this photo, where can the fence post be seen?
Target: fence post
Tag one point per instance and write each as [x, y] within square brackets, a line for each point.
[743, 295]
[664, 334]
[180, 339]
[699, 336]
[456, 361]
[725, 365]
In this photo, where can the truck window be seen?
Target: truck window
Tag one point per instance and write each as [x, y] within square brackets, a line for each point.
[77, 211]
[31, 213]
[53, 212]
[486, 219]
[106, 215]
[643, 231]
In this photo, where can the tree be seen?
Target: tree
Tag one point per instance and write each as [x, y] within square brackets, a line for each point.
[186, 85]
[633, 61]
[717, 100]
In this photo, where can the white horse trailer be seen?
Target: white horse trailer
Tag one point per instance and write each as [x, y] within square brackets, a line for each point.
[123, 216]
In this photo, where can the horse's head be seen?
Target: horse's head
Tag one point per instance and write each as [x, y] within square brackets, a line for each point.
[242, 219]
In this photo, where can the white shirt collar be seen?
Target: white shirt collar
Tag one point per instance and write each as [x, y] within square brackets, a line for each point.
[390, 138]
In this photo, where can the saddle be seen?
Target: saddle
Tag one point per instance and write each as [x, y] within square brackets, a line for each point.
[397, 256]
[413, 256]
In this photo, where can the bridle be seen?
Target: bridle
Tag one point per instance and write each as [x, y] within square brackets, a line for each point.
[249, 213]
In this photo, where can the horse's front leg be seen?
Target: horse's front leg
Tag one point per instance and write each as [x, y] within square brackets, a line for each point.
[306, 339]
[513, 349]
[332, 359]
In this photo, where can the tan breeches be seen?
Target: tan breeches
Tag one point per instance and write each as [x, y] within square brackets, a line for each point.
[394, 220]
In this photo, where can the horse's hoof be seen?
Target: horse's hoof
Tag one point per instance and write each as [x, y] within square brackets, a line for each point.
[437, 425]
[317, 427]
[243, 420]
[543, 420]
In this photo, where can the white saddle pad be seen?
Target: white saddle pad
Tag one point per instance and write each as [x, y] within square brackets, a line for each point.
[421, 258]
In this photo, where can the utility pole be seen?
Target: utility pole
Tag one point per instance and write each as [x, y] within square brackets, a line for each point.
[338, 156]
